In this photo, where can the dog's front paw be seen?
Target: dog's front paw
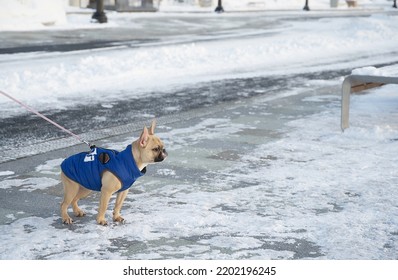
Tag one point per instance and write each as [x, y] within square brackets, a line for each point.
[102, 222]
[79, 213]
[119, 219]
[67, 220]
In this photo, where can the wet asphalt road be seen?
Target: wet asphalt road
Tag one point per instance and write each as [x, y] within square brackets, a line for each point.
[17, 129]
[85, 118]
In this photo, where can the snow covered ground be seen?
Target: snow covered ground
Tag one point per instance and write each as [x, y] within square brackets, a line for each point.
[269, 179]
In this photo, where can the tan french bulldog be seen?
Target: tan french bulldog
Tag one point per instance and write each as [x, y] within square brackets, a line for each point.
[109, 172]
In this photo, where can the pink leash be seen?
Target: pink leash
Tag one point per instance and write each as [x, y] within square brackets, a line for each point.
[44, 117]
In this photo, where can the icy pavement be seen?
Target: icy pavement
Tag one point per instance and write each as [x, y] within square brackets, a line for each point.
[269, 177]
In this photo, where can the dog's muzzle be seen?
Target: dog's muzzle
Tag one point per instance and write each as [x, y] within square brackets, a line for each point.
[162, 155]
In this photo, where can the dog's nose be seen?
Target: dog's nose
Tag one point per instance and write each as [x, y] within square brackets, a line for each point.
[161, 156]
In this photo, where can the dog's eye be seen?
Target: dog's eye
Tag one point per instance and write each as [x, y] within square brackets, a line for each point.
[157, 149]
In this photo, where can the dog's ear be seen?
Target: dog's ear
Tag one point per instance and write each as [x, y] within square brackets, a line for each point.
[144, 137]
[152, 128]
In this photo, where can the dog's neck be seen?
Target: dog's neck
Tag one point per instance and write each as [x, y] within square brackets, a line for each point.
[137, 155]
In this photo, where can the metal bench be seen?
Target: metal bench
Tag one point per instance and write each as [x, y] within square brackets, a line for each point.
[357, 83]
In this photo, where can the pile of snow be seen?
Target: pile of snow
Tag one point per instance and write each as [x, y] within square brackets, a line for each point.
[25, 14]
[369, 70]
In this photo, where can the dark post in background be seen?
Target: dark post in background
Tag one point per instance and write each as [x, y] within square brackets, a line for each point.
[99, 14]
[219, 8]
[306, 7]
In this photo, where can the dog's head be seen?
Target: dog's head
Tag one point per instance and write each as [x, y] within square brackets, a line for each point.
[151, 148]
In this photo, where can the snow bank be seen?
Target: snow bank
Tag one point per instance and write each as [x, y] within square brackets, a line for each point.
[28, 14]
[369, 70]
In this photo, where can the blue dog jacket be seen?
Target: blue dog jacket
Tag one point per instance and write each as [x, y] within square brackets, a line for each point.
[87, 168]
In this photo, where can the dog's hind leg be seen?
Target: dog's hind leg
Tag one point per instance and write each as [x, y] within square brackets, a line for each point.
[82, 193]
[71, 189]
